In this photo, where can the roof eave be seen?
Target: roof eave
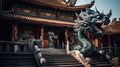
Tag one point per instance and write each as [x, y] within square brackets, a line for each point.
[74, 8]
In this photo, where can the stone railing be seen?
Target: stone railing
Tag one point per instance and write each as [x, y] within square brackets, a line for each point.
[114, 51]
[10, 47]
[13, 47]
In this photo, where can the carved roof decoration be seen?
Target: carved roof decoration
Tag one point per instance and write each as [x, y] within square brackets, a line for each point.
[52, 2]
[33, 19]
[59, 4]
[111, 28]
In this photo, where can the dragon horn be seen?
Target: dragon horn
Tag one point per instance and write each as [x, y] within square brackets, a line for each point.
[77, 14]
[97, 10]
[110, 13]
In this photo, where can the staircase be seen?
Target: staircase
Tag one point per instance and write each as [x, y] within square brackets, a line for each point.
[58, 58]
[21, 56]
[17, 60]
[61, 61]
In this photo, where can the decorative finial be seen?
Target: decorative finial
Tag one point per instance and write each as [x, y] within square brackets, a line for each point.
[93, 1]
[71, 3]
[110, 13]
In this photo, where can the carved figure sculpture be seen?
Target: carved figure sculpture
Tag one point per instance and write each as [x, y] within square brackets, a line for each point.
[25, 38]
[50, 40]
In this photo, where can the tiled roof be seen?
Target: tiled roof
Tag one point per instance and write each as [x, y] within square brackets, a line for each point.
[113, 28]
[53, 2]
[34, 19]
[59, 4]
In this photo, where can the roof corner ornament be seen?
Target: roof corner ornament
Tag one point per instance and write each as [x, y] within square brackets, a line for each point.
[109, 14]
[71, 3]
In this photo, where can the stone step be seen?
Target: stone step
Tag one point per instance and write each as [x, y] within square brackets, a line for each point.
[17, 60]
[56, 59]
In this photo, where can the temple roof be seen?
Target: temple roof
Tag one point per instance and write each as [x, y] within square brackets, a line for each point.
[52, 2]
[112, 28]
[33, 19]
[59, 4]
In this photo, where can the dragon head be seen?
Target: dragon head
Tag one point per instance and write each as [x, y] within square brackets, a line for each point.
[87, 21]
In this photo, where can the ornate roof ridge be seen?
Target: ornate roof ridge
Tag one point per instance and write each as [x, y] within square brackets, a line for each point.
[58, 5]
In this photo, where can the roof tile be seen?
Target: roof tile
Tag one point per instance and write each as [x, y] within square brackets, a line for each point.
[53, 2]
[60, 4]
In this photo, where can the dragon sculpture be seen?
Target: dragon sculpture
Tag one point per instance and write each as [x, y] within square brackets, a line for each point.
[82, 45]
[86, 21]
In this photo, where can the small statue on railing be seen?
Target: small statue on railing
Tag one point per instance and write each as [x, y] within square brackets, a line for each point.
[24, 38]
[30, 40]
[38, 55]
[52, 36]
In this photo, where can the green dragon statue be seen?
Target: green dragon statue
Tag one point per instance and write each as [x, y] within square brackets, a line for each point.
[86, 21]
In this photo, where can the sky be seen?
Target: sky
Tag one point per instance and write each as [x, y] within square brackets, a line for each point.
[104, 6]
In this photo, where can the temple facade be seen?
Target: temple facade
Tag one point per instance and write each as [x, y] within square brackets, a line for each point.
[38, 17]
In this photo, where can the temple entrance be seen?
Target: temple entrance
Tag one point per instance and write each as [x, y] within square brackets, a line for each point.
[61, 38]
[46, 36]
[60, 33]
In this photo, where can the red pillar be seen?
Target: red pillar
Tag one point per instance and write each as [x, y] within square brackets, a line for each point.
[41, 36]
[14, 32]
[66, 35]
